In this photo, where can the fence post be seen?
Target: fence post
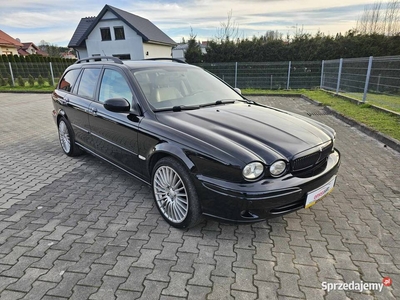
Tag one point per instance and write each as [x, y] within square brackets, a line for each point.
[236, 74]
[339, 75]
[367, 79]
[52, 74]
[12, 74]
[288, 75]
[322, 74]
[271, 81]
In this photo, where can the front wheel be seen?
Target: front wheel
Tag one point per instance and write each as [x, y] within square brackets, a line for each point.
[175, 194]
[67, 138]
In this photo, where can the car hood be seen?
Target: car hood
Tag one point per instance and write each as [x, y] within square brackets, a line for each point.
[249, 132]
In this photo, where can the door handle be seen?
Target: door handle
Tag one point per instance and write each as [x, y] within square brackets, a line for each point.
[93, 111]
[64, 100]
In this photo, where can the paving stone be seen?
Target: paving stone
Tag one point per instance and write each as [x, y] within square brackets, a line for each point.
[161, 270]
[56, 273]
[80, 292]
[177, 285]
[184, 263]
[153, 289]
[11, 295]
[135, 279]
[244, 259]
[289, 285]
[39, 289]
[169, 251]
[265, 271]
[202, 275]
[65, 287]
[224, 266]
[122, 266]
[18, 270]
[24, 283]
[266, 290]
[94, 277]
[221, 288]
[108, 288]
[146, 259]
[244, 280]
[106, 219]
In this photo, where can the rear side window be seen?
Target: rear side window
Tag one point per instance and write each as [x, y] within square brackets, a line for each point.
[87, 85]
[68, 81]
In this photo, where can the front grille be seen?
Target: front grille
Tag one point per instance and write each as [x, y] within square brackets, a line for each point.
[310, 160]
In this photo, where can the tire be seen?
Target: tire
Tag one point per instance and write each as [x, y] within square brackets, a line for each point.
[175, 194]
[66, 136]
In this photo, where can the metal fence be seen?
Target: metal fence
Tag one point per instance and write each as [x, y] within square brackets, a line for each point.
[268, 75]
[49, 71]
[370, 79]
[375, 79]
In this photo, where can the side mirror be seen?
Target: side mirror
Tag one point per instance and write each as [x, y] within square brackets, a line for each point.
[237, 90]
[117, 105]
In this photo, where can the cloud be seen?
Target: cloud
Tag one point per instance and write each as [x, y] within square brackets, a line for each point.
[48, 20]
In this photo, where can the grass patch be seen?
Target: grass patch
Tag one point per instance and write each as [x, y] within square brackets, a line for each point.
[27, 88]
[380, 121]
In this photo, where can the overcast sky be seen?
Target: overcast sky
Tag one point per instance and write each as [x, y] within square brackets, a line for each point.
[55, 21]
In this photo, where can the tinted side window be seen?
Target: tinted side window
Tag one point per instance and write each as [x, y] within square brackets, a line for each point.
[68, 81]
[88, 83]
[114, 85]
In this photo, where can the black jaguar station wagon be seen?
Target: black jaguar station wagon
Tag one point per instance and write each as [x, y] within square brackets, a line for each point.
[202, 147]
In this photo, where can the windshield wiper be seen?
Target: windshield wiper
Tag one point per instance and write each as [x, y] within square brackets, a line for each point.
[178, 108]
[218, 102]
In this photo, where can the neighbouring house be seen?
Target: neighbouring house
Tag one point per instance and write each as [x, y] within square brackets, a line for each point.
[179, 51]
[68, 55]
[8, 45]
[29, 49]
[115, 32]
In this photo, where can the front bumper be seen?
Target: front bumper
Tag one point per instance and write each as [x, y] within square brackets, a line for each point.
[267, 198]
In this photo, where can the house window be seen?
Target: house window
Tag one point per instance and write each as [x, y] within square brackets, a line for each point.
[119, 33]
[105, 34]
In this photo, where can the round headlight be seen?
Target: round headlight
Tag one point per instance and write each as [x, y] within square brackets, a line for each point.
[277, 168]
[253, 170]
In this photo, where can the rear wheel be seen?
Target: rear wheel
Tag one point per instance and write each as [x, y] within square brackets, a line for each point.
[175, 194]
[67, 138]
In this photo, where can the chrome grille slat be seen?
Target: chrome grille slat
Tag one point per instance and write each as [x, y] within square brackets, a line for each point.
[310, 160]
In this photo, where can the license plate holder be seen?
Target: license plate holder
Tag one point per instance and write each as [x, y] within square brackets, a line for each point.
[319, 193]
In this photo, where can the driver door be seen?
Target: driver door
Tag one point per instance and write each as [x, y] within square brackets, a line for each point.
[114, 134]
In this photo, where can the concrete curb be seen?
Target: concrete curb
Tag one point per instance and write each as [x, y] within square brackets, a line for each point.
[387, 140]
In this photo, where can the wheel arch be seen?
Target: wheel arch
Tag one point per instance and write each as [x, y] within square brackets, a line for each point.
[169, 150]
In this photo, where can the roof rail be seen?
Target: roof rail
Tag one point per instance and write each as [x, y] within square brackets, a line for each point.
[96, 58]
[168, 58]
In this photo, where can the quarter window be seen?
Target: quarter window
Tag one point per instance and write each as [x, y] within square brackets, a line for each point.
[105, 34]
[68, 81]
[114, 85]
[119, 33]
[88, 83]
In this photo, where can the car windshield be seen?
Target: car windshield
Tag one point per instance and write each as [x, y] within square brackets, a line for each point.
[183, 87]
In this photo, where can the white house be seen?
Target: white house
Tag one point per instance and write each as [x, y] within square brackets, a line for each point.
[179, 51]
[118, 33]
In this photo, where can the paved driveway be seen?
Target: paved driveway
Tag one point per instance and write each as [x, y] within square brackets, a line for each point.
[78, 228]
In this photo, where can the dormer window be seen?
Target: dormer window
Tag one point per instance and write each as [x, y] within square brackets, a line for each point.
[119, 33]
[105, 34]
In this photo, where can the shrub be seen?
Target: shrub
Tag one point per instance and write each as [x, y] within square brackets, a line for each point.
[50, 79]
[20, 81]
[31, 80]
[2, 81]
[40, 80]
[9, 80]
